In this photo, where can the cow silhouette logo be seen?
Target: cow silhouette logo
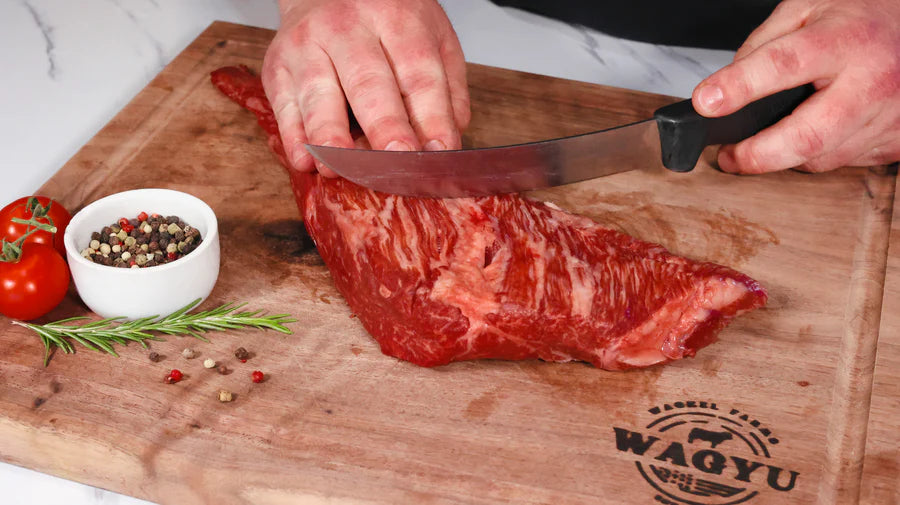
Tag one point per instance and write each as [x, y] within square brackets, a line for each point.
[713, 437]
[694, 453]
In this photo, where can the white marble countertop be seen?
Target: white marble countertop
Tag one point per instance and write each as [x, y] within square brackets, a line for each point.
[71, 66]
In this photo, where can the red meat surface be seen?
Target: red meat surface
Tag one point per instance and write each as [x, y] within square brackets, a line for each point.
[504, 277]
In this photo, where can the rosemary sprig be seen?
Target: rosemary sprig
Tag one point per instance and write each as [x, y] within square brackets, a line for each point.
[102, 335]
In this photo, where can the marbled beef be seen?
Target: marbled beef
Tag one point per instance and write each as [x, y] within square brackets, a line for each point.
[504, 277]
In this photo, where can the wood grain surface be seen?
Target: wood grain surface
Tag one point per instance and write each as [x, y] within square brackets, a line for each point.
[804, 387]
[881, 477]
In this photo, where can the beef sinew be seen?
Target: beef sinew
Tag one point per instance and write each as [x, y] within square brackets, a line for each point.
[505, 277]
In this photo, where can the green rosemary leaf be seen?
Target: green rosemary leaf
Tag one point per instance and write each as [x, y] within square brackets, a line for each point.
[178, 313]
[81, 340]
[69, 320]
[102, 335]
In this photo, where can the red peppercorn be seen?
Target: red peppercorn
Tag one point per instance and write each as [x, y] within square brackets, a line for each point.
[243, 361]
[174, 376]
[170, 255]
[127, 228]
[142, 216]
[123, 221]
[257, 376]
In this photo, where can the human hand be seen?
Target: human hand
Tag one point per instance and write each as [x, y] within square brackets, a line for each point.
[397, 62]
[850, 51]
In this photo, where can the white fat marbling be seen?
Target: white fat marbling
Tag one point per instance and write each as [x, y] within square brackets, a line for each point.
[70, 66]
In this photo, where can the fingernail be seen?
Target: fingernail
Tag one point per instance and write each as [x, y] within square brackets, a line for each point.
[710, 97]
[298, 156]
[319, 165]
[435, 145]
[397, 145]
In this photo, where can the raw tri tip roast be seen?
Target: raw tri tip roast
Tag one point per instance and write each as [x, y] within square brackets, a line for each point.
[503, 277]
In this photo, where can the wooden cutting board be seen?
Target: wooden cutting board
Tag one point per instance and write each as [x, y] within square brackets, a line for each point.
[786, 392]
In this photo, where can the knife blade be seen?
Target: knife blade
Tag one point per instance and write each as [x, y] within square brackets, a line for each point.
[675, 137]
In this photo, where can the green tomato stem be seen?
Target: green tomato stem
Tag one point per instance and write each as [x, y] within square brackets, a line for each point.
[10, 252]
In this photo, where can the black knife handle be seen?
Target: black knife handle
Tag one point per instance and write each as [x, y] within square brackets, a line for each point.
[683, 133]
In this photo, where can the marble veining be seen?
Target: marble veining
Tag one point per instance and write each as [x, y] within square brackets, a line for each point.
[161, 57]
[699, 68]
[591, 45]
[77, 63]
[653, 73]
[46, 32]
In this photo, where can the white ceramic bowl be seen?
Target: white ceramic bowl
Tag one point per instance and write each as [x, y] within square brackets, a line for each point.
[143, 292]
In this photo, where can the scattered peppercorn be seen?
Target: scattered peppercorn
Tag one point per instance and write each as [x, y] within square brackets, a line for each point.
[209, 363]
[222, 369]
[129, 239]
[174, 376]
[241, 354]
[257, 376]
[188, 353]
[154, 356]
[225, 396]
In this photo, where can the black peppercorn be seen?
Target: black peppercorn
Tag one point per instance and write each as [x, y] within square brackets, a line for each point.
[149, 241]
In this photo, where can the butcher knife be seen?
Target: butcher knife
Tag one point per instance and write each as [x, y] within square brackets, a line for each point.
[675, 137]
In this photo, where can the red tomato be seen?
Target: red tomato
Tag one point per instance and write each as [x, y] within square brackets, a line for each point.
[34, 285]
[11, 231]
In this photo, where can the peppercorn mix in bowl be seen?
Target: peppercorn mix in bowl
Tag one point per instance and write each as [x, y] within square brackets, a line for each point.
[144, 241]
[113, 286]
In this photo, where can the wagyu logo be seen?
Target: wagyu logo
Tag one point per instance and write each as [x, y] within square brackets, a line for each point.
[694, 453]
